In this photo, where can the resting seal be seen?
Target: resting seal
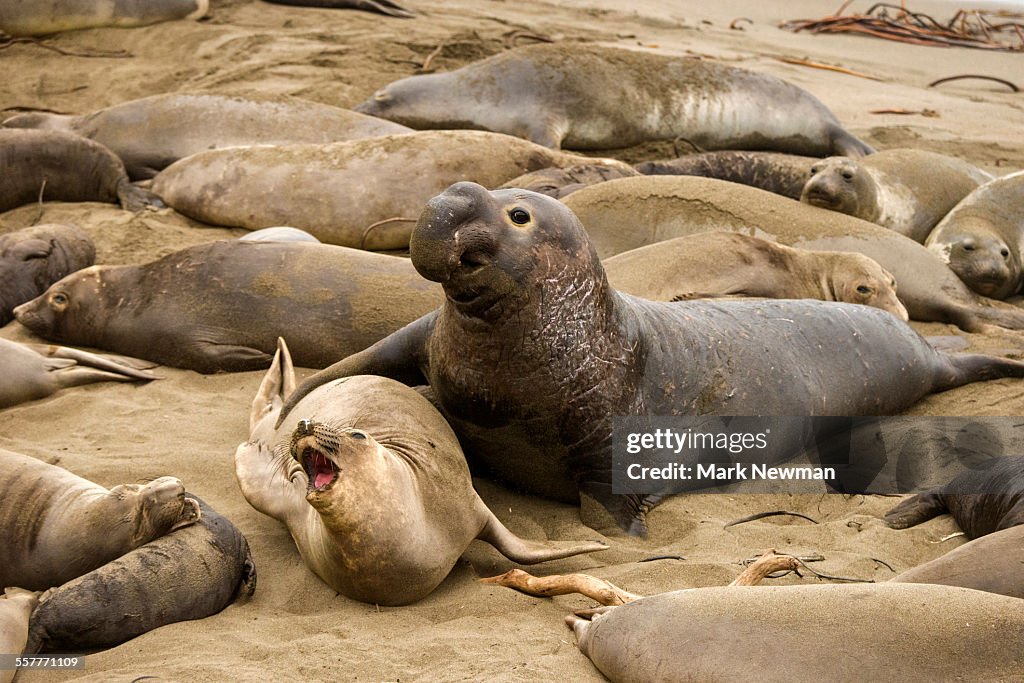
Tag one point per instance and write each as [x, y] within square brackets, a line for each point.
[906, 190]
[778, 634]
[56, 526]
[373, 486]
[224, 304]
[200, 570]
[573, 96]
[784, 174]
[726, 264]
[658, 208]
[42, 17]
[32, 259]
[280, 233]
[387, 7]
[16, 605]
[982, 238]
[151, 133]
[534, 353]
[560, 182]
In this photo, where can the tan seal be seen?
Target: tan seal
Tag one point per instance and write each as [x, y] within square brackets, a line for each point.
[16, 605]
[41, 17]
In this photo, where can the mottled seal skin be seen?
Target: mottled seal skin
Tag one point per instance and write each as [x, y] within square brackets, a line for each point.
[392, 9]
[32, 259]
[982, 238]
[190, 573]
[727, 264]
[633, 212]
[784, 174]
[222, 305]
[561, 182]
[52, 165]
[151, 133]
[280, 233]
[16, 605]
[777, 634]
[392, 176]
[41, 17]
[593, 97]
[906, 190]
[982, 500]
[56, 526]
[34, 371]
[373, 486]
[533, 352]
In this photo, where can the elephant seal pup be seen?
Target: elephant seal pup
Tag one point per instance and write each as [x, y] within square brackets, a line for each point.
[52, 165]
[35, 371]
[32, 259]
[776, 634]
[16, 605]
[56, 526]
[151, 133]
[982, 238]
[534, 353]
[280, 233]
[982, 500]
[784, 174]
[560, 182]
[199, 570]
[373, 486]
[562, 95]
[42, 17]
[224, 304]
[906, 190]
[728, 264]
[241, 187]
[658, 208]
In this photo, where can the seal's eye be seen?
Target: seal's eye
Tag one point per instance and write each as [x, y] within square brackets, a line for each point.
[814, 170]
[358, 435]
[519, 216]
[863, 289]
[59, 299]
[1004, 252]
[847, 175]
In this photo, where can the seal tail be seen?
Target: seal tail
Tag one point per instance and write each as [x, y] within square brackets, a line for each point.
[531, 552]
[966, 368]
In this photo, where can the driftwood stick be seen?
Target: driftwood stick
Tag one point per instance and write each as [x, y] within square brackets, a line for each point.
[596, 589]
[768, 563]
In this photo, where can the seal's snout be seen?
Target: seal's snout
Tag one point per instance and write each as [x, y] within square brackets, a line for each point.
[449, 235]
[304, 428]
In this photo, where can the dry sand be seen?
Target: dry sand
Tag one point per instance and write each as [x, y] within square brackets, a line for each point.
[188, 425]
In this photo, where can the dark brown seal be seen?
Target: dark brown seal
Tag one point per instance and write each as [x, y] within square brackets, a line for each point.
[533, 353]
[561, 182]
[784, 174]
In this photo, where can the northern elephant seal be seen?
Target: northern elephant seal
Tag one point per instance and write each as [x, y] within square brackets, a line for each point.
[982, 238]
[729, 264]
[778, 634]
[41, 17]
[373, 486]
[391, 177]
[906, 190]
[190, 573]
[633, 212]
[56, 526]
[784, 174]
[279, 233]
[16, 605]
[32, 259]
[49, 165]
[151, 133]
[222, 305]
[387, 7]
[582, 96]
[31, 372]
[560, 182]
[534, 353]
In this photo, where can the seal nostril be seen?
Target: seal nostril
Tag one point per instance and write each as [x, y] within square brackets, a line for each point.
[1004, 252]
[305, 427]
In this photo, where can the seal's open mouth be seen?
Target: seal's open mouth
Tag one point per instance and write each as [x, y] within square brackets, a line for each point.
[321, 470]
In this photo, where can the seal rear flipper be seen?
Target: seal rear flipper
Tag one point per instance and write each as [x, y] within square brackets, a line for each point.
[845, 144]
[965, 368]
[134, 198]
[915, 510]
[126, 366]
[628, 510]
[531, 552]
[386, 7]
[76, 376]
[277, 385]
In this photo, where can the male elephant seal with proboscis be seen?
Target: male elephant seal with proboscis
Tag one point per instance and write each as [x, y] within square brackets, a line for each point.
[372, 485]
[42, 17]
[56, 526]
[533, 353]
[16, 605]
[581, 96]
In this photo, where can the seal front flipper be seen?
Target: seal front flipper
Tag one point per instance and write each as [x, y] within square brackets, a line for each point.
[628, 510]
[134, 198]
[915, 510]
[387, 7]
[209, 355]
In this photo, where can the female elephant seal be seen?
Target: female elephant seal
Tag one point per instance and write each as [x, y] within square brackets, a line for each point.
[56, 526]
[784, 174]
[533, 353]
[906, 190]
[593, 97]
[190, 573]
[982, 238]
[779, 634]
[372, 485]
[32, 259]
[16, 605]
[727, 264]
[41, 17]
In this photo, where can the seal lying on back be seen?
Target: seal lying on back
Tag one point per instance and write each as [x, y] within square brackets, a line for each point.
[151, 133]
[16, 605]
[560, 182]
[778, 634]
[55, 526]
[784, 174]
[41, 17]
[200, 570]
[52, 165]
[222, 305]
[906, 190]
[32, 259]
[726, 264]
[533, 353]
[372, 485]
[571, 96]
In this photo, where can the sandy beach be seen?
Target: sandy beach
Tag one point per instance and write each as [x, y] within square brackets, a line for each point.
[188, 425]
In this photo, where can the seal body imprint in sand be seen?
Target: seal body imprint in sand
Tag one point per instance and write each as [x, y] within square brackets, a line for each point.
[40, 17]
[533, 353]
[592, 97]
[373, 486]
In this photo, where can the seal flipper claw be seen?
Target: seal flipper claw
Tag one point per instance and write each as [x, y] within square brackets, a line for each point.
[915, 510]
